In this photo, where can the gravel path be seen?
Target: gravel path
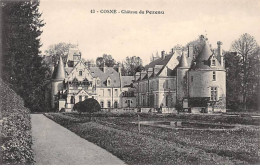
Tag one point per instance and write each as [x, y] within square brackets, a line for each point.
[54, 144]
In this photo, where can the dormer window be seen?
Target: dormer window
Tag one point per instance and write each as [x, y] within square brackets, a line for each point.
[98, 82]
[108, 82]
[213, 62]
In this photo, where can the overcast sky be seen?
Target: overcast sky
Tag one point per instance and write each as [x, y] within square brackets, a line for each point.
[124, 35]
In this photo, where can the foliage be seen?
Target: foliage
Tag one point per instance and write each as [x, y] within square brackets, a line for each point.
[246, 65]
[233, 81]
[89, 105]
[106, 59]
[132, 65]
[16, 128]
[57, 50]
[23, 67]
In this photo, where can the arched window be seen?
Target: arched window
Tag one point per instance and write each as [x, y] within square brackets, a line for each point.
[102, 104]
[115, 104]
[72, 100]
[108, 104]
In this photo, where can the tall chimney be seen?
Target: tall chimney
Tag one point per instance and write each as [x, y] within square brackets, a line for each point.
[104, 67]
[172, 50]
[220, 55]
[163, 54]
[190, 51]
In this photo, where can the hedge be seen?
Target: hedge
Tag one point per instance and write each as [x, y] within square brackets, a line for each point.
[15, 127]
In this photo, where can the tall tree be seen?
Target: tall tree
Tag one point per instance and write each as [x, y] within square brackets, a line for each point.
[56, 50]
[22, 65]
[131, 65]
[107, 59]
[233, 80]
[247, 50]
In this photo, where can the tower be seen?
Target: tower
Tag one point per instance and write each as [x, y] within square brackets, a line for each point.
[182, 80]
[207, 81]
[57, 82]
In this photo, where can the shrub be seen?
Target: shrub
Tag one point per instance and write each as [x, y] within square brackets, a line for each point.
[88, 105]
[15, 126]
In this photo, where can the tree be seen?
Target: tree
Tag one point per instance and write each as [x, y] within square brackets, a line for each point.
[107, 59]
[23, 67]
[57, 50]
[247, 50]
[132, 65]
[233, 80]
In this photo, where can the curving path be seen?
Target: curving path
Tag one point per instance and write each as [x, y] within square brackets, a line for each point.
[56, 145]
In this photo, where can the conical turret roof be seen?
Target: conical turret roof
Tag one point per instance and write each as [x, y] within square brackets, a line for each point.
[183, 63]
[59, 73]
[202, 61]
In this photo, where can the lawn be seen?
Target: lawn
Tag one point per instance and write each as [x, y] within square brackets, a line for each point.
[153, 145]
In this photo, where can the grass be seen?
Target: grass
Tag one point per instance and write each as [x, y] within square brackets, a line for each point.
[154, 145]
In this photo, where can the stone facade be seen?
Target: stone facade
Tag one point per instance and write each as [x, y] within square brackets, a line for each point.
[75, 81]
[181, 80]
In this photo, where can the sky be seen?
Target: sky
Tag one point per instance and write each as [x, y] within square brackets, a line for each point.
[122, 35]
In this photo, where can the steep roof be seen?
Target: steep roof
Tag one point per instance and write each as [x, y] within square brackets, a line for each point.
[59, 71]
[183, 62]
[127, 80]
[160, 61]
[203, 59]
[109, 72]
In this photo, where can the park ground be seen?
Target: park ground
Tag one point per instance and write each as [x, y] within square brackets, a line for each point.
[119, 134]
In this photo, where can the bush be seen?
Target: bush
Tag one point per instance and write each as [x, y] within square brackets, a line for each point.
[88, 105]
[15, 126]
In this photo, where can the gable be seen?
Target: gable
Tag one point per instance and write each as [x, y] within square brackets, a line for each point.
[83, 93]
[81, 72]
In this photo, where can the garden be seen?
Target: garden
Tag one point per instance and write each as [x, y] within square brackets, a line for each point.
[118, 133]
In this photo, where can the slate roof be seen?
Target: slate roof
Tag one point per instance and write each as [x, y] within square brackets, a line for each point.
[59, 71]
[110, 72]
[183, 62]
[203, 59]
[127, 81]
[159, 61]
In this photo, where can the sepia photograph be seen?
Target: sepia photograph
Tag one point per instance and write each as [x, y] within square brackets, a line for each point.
[129, 82]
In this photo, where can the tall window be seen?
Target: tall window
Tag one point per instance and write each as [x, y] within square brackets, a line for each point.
[214, 76]
[80, 73]
[166, 100]
[116, 92]
[214, 94]
[102, 104]
[191, 78]
[115, 104]
[108, 82]
[166, 84]
[108, 104]
[80, 98]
